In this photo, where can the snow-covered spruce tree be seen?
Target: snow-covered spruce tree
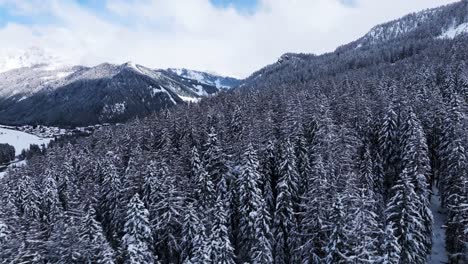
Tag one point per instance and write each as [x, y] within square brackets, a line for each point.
[205, 193]
[164, 203]
[389, 248]
[27, 198]
[250, 198]
[136, 244]
[337, 249]
[403, 213]
[166, 217]
[262, 250]
[269, 175]
[389, 145]
[194, 240]
[315, 206]
[204, 190]
[453, 122]
[133, 177]
[214, 159]
[63, 244]
[220, 248]
[365, 227]
[195, 167]
[151, 186]
[457, 203]
[111, 202]
[415, 161]
[10, 240]
[50, 203]
[284, 223]
[65, 186]
[303, 166]
[93, 245]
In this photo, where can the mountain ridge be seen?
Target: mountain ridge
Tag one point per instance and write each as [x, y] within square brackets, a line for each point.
[28, 93]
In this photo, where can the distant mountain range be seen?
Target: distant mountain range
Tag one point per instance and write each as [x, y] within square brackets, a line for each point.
[36, 88]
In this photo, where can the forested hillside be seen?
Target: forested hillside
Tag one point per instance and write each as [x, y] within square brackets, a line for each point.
[315, 159]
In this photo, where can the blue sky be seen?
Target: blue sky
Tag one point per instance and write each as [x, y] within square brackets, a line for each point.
[239, 4]
[8, 14]
[232, 37]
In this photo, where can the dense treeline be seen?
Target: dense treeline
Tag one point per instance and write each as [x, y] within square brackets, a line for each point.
[32, 151]
[7, 153]
[336, 168]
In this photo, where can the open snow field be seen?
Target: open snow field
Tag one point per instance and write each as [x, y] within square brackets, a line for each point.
[20, 140]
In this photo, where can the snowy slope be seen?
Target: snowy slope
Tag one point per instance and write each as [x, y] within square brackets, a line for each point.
[20, 140]
[394, 29]
[221, 82]
[23, 82]
[454, 31]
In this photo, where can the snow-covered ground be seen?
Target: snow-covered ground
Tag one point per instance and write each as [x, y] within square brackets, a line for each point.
[20, 140]
[454, 31]
[438, 254]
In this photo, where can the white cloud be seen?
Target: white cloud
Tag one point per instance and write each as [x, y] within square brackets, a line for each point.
[195, 34]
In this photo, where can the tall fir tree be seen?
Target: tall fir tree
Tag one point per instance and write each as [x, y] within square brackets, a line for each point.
[284, 223]
[136, 245]
[250, 198]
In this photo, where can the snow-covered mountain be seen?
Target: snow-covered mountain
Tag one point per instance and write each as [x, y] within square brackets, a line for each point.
[221, 82]
[390, 42]
[54, 94]
[446, 22]
[32, 56]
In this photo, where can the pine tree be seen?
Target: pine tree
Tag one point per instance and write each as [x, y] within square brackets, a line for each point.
[137, 240]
